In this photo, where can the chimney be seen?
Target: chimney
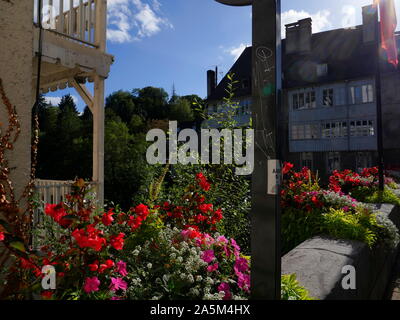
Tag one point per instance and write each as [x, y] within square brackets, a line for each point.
[211, 82]
[298, 36]
[370, 18]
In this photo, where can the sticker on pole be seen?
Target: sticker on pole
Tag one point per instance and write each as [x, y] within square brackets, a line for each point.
[274, 177]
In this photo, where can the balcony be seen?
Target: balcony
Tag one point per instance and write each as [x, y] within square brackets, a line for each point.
[71, 44]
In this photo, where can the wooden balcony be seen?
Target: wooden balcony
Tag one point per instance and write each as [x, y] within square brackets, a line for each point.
[71, 42]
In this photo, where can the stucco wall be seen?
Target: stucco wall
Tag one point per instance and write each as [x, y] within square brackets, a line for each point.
[16, 39]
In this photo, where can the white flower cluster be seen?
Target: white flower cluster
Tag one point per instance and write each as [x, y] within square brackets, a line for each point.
[183, 267]
[392, 238]
[341, 201]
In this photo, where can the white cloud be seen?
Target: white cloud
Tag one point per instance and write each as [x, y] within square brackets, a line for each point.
[349, 16]
[320, 19]
[54, 101]
[236, 51]
[130, 20]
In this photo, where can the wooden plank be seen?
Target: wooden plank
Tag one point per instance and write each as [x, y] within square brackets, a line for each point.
[90, 17]
[81, 20]
[60, 22]
[70, 20]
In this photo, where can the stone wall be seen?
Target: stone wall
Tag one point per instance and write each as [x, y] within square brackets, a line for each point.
[16, 69]
[318, 264]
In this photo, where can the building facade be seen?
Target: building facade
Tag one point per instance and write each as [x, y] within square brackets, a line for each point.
[328, 116]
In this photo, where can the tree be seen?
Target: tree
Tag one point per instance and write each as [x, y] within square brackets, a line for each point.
[122, 104]
[126, 168]
[180, 110]
[152, 102]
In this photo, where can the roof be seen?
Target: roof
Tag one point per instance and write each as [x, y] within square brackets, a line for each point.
[242, 70]
[343, 50]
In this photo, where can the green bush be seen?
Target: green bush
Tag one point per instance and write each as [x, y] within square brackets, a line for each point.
[342, 225]
[297, 226]
[292, 290]
[373, 195]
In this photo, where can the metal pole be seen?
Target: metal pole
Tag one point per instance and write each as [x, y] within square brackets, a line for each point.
[381, 160]
[265, 216]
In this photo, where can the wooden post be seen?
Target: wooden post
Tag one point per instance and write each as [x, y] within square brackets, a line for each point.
[101, 24]
[98, 137]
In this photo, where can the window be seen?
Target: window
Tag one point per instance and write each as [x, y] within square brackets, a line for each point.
[326, 130]
[322, 70]
[310, 100]
[327, 97]
[334, 129]
[362, 128]
[362, 94]
[333, 161]
[295, 101]
[305, 132]
[307, 160]
[340, 96]
[213, 109]
[298, 132]
[303, 100]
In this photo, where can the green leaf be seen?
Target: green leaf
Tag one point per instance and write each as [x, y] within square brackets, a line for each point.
[18, 245]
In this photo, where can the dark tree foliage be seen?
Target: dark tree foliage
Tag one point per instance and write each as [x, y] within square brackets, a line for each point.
[66, 139]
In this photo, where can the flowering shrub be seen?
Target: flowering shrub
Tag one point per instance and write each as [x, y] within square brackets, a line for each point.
[193, 212]
[83, 252]
[177, 264]
[161, 252]
[299, 189]
[309, 210]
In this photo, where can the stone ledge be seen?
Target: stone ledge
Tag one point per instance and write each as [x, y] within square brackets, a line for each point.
[318, 264]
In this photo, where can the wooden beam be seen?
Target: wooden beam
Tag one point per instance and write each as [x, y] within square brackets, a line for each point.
[98, 137]
[84, 93]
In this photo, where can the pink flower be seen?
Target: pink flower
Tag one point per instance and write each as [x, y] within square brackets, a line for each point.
[118, 283]
[208, 256]
[91, 284]
[116, 298]
[227, 251]
[225, 288]
[222, 239]
[2, 237]
[241, 265]
[244, 282]
[121, 268]
[212, 267]
[235, 247]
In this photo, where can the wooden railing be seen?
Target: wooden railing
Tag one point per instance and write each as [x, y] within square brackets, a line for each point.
[49, 192]
[80, 20]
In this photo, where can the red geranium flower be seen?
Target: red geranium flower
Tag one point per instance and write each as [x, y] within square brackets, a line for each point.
[202, 181]
[117, 242]
[287, 166]
[107, 218]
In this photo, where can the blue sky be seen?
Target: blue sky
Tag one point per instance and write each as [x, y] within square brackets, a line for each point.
[164, 42]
